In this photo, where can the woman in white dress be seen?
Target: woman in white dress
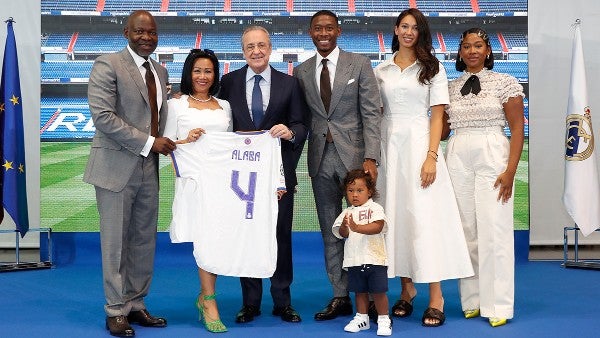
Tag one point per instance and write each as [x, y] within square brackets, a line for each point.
[425, 239]
[197, 112]
[482, 163]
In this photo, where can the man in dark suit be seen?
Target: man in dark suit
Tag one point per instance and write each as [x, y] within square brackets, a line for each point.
[263, 98]
[128, 101]
[343, 97]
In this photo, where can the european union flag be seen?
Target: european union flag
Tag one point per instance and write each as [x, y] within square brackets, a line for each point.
[14, 192]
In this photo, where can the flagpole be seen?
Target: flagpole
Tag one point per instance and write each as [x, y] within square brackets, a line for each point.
[13, 169]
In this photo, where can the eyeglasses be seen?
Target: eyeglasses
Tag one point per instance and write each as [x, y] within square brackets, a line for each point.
[261, 47]
[207, 51]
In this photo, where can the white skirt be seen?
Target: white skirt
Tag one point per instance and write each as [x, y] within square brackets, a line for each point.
[425, 238]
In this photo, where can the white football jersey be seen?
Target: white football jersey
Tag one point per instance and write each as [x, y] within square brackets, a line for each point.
[228, 204]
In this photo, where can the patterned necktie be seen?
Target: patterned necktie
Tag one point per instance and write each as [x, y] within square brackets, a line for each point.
[257, 102]
[325, 84]
[151, 84]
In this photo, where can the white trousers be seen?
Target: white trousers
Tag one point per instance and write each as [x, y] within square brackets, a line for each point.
[475, 158]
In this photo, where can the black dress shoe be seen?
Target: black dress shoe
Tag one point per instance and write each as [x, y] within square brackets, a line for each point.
[144, 318]
[247, 314]
[287, 313]
[338, 306]
[119, 327]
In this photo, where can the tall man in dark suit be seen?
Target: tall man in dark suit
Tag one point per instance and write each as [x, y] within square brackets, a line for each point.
[344, 101]
[263, 98]
[127, 97]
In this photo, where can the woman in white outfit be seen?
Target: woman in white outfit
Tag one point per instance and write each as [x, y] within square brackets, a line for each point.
[191, 115]
[425, 241]
[482, 163]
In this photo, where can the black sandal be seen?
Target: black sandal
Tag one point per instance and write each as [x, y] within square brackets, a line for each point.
[432, 313]
[402, 308]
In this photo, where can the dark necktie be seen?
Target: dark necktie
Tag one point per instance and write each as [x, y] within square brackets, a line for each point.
[471, 86]
[151, 84]
[325, 84]
[257, 102]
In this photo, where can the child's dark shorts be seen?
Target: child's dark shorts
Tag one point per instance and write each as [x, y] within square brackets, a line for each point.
[368, 278]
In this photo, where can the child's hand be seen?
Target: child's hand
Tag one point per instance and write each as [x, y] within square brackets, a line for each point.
[350, 222]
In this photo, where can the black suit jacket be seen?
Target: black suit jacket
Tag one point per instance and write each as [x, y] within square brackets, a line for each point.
[286, 106]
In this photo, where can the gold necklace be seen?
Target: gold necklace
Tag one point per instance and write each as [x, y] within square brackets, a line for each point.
[200, 100]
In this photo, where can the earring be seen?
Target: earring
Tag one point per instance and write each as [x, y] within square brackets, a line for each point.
[488, 56]
[460, 58]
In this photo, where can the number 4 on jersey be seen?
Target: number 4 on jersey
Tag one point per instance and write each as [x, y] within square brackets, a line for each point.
[247, 197]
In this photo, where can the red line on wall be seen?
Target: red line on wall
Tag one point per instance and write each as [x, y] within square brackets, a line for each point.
[503, 42]
[100, 5]
[351, 6]
[440, 38]
[475, 6]
[72, 42]
[164, 5]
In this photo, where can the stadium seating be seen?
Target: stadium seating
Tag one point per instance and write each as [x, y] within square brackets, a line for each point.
[265, 6]
[222, 42]
[57, 40]
[515, 39]
[68, 5]
[60, 66]
[316, 5]
[380, 6]
[502, 5]
[360, 6]
[452, 6]
[196, 6]
[127, 5]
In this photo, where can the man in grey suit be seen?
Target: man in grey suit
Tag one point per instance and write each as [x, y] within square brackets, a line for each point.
[344, 102]
[127, 97]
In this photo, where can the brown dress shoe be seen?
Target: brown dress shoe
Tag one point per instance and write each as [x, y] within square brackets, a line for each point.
[144, 318]
[338, 306]
[119, 327]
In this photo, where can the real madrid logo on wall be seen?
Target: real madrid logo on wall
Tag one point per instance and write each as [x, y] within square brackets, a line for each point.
[579, 143]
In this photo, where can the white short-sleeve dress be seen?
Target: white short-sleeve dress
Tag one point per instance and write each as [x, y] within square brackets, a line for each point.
[181, 119]
[425, 239]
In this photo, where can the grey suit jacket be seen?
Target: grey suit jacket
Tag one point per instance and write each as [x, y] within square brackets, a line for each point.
[354, 116]
[118, 100]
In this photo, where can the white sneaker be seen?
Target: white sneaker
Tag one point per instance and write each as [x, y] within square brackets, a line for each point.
[358, 323]
[384, 326]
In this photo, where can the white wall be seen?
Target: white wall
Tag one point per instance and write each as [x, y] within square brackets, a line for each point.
[550, 45]
[27, 28]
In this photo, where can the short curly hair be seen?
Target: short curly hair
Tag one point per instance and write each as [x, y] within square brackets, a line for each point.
[360, 174]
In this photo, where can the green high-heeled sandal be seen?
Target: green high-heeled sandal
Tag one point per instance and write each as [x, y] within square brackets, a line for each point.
[215, 326]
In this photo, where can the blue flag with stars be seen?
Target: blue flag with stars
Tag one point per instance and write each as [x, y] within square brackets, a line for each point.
[14, 192]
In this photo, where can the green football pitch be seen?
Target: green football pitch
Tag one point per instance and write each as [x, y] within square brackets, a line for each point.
[68, 204]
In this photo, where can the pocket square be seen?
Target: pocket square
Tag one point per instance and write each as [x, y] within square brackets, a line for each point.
[350, 81]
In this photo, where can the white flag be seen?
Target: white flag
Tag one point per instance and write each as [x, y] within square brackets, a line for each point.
[582, 190]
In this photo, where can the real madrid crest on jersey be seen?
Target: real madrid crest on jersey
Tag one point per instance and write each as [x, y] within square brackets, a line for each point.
[579, 143]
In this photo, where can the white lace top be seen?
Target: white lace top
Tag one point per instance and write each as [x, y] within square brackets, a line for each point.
[484, 109]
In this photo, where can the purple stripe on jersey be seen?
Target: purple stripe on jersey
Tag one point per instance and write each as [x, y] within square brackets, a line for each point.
[174, 163]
